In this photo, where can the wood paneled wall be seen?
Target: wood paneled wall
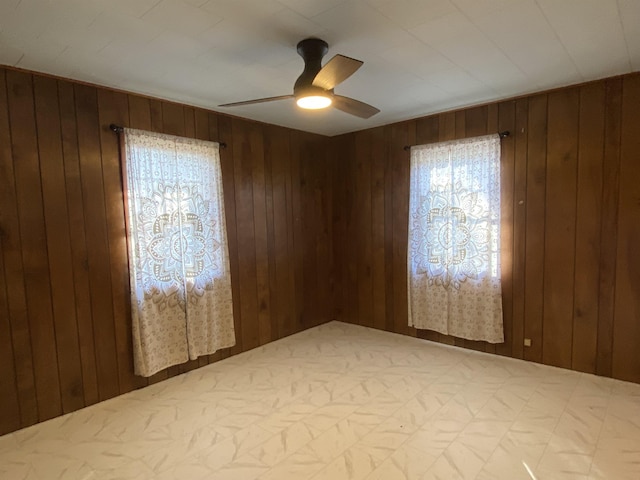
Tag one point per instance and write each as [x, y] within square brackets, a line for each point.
[317, 230]
[64, 291]
[570, 224]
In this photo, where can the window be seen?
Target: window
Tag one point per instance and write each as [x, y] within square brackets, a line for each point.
[178, 255]
[454, 239]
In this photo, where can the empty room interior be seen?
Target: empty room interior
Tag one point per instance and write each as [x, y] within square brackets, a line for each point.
[320, 239]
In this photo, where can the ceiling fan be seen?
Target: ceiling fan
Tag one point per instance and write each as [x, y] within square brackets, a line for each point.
[314, 87]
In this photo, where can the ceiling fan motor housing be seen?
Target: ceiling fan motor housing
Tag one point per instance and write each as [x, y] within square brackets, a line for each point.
[312, 50]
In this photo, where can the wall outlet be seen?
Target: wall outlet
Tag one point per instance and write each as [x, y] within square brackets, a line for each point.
[527, 342]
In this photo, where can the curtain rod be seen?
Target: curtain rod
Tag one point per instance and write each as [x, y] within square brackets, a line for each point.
[118, 129]
[504, 134]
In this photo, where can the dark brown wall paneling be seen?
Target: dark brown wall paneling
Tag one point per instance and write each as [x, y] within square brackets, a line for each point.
[560, 220]
[626, 327]
[33, 243]
[534, 232]
[16, 377]
[65, 338]
[609, 225]
[588, 224]
[317, 230]
[56, 218]
[570, 223]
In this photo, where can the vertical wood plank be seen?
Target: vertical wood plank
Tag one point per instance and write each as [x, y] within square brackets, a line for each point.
[278, 152]
[626, 328]
[506, 121]
[324, 250]
[113, 107]
[260, 231]
[378, 153]
[297, 239]
[35, 260]
[492, 126]
[189, 122]
[58, 242]
[9, 403]
[588, 216]
[243, 177]
[388, 235]
[559, 258]
[520, 134]
[14, 271]
[172, 118]
[535, 225]
[476, 121]
[222, 126]
[157, 122]
[427, 130]
[609, 225]
[139, 113]
[351, 288]
[308, 231]
[97, 240]
[447, 126]
[79, 260]
[400, 135]
[338, 212]
[460, 122]
[363, 151]
[201, 127]
[271, 257]
[206, 128]
[274, 209]
[10, 400]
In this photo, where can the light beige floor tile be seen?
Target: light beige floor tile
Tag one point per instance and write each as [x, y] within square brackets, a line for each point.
[405, 463]
[344, 402]
[285, 443]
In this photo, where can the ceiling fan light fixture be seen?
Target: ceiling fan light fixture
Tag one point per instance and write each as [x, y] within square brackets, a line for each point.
[314, 102]
[314, 88]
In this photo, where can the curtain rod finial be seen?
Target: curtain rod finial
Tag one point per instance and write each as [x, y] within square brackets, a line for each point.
[504, 134]
[116, 128]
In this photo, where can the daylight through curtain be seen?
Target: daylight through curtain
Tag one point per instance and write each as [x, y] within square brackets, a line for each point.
[178, 254]
[454, 239]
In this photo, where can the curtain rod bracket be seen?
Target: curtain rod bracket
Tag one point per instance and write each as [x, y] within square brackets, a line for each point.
[118, 129]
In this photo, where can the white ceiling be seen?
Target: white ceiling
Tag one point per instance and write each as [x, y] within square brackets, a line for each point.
[421, 56]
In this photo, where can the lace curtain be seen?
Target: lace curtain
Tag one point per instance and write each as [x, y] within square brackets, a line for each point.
[454, 239]
[178, 254]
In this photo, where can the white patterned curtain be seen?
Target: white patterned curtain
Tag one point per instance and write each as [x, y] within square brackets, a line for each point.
[454, 239]
[178, 254]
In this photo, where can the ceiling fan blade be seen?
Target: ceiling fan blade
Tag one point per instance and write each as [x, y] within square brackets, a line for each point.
[336, 71]
[354, 107]
[258, 100]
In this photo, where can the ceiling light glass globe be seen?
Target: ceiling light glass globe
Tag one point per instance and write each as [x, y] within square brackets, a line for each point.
[313, 102]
